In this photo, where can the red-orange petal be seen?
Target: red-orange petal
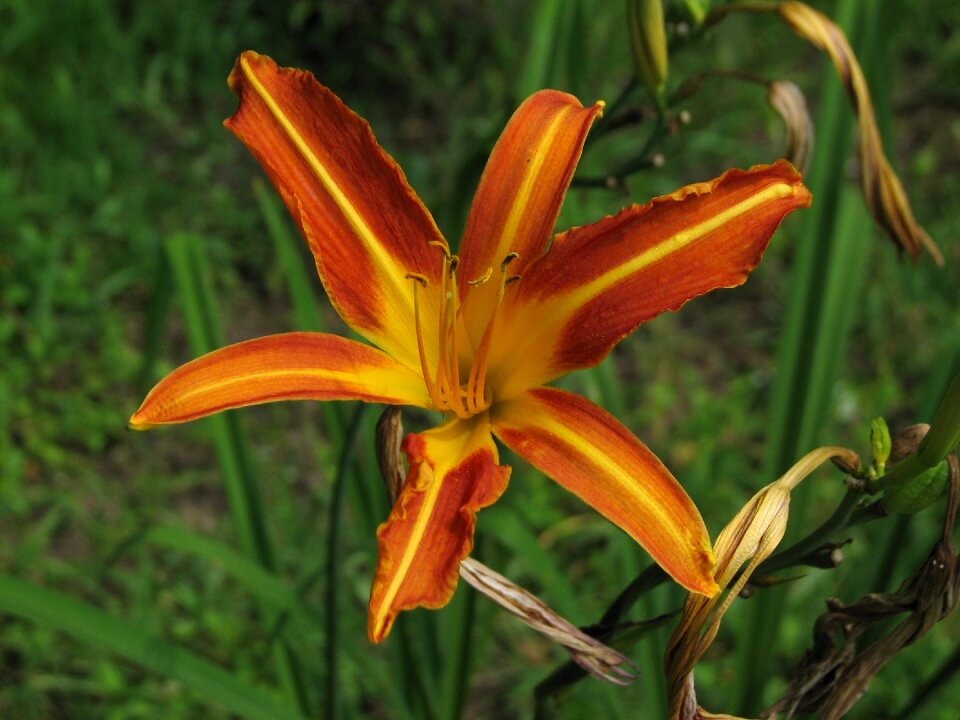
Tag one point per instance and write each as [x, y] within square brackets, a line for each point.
[522, 188]
[453, 473]
[598, 283]
[365, 225]
[587, 451]
[292, 366]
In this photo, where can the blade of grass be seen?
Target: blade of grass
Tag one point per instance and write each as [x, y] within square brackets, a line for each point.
[538, 66]
[127, 639]
[156, 319]
[333, 562]
[264, 585]
[458, 619]
[822, 300]
[195, 290]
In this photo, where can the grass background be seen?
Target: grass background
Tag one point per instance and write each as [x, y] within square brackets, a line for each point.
[125, 207]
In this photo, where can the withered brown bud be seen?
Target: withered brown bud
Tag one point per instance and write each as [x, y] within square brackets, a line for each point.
[389, 456]
[907, 442]
[787, 99]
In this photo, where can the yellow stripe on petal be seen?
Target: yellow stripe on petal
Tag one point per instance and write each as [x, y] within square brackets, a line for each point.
[388, 267]
[587, 451]
[520, 194]
[599, 282]
[453, 473]
[365, 225]
[291, 366]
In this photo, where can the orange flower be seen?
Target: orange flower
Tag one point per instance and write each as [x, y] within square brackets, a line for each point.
[460, 334]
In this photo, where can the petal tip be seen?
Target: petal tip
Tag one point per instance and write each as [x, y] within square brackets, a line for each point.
[137, 421]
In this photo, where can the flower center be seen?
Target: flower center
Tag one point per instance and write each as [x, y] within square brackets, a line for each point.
[447, 391]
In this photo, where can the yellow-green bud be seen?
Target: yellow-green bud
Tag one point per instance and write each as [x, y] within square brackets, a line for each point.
[648, 39]
[880, 443]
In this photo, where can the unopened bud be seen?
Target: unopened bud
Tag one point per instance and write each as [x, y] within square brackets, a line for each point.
[907, 442]
[648, 39]
[880, 443]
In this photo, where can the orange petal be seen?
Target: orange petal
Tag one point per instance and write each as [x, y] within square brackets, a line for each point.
[598, 283]
[592, 455]
[520, 193]
[292, 366]
[365, 225]
[453, 473]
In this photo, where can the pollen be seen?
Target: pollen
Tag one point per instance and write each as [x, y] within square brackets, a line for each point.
[448, 392]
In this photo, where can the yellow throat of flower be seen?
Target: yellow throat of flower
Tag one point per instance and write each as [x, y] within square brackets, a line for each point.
[447, 392]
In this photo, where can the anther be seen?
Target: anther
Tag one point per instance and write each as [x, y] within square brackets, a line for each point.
[454, 261]
[418, 277]
[511, 279]
[443, 247]
[508, 259]
[482, 279]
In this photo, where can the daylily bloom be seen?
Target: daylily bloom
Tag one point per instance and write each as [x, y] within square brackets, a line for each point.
[477, 335]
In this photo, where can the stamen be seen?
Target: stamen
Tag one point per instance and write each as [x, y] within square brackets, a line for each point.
[482, 279]
[457, 393]
[443, 248]
[421, 281]
[476, 389]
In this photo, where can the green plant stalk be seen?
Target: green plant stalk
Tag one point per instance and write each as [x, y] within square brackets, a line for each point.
[118, 635]
[944, 675]
[333, 563]
[459, 617]
[195, 289]
[156, 319]
[819, 314]
[538, 66]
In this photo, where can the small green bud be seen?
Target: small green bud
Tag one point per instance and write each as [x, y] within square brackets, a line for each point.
[648, 39]
[944, 432]
[921, 491]
[880, 443]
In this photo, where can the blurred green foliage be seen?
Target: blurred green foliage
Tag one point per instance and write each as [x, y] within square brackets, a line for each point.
[111, 144]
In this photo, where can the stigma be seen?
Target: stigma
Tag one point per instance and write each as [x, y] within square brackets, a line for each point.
[452, 390]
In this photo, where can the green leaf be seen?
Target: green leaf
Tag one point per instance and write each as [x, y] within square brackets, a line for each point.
[118, 635]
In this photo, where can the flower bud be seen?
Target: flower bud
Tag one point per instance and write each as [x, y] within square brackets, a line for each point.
[648, 39]
[880, 443]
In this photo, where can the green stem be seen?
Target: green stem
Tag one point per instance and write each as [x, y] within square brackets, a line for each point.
[333, 560]
[943, 676]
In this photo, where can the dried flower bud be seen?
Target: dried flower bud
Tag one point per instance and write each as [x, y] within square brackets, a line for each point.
[648, 40]
[882, 188]
[389, 457]
[748, 539]
[907, 442]
[787, 99]
[588, 652]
